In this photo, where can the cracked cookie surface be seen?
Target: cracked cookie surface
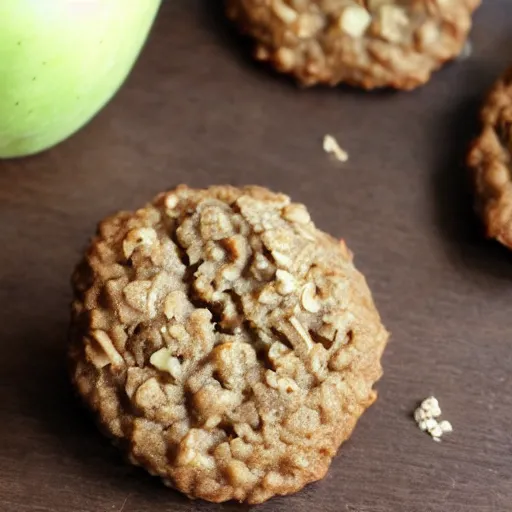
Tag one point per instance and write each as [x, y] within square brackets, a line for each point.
[224, 342]
[490, 162]
[365, 43]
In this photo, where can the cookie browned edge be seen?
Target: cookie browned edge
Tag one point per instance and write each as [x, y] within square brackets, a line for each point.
[369, 58]
[489, 160]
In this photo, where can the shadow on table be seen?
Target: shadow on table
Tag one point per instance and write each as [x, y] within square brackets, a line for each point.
[455, 217]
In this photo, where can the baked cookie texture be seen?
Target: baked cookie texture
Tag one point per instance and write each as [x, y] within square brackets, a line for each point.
[490, 162]
[224, 342]
[365, 43]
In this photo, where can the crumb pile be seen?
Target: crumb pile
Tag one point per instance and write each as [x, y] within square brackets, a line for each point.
[426, 416]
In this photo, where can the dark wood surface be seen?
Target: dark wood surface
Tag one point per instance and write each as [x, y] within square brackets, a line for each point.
[195, 110]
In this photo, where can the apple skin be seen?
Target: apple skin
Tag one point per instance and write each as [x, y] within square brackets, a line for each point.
[61, 61]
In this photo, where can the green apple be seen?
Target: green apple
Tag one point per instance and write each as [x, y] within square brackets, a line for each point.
[60, 62]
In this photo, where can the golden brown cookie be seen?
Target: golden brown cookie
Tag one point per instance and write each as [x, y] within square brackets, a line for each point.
[365, 43]
[227, 344]
[490, 162]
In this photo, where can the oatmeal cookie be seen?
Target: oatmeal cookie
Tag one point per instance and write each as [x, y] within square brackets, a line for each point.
[224, 342]
[365, 43]
[490, 162]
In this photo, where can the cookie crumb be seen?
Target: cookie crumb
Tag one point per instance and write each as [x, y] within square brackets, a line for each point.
[426, 417]
[466, 52]
[332, 147]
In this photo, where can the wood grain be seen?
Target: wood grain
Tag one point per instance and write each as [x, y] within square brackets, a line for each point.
[195, 110]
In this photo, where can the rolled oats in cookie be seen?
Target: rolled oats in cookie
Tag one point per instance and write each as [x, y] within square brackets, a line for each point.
[365, 43]
[490, 162]
[224, 342]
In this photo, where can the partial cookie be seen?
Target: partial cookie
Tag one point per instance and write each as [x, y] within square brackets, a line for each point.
[490, 162]
[365, 43]
[224, 342]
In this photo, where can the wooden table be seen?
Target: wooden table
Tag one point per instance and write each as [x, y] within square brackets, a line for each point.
[196, 110]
